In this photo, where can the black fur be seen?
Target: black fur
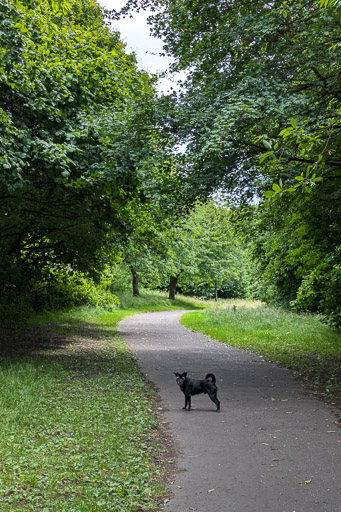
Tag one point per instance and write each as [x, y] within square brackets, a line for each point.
[191, 387]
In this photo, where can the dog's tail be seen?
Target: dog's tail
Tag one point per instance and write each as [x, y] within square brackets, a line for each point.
[211, 376]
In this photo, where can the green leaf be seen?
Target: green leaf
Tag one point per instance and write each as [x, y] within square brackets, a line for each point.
[267, 144]
[286, 132]
[265, 156]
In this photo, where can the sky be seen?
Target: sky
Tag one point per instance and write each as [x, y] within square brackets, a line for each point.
[135, 32]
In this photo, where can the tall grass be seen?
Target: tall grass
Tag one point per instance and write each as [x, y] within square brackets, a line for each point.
[298, 341]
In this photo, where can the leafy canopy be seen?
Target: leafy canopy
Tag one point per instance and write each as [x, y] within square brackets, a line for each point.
[80, 137]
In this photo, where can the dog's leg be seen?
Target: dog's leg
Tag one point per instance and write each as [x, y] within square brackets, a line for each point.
[215, 400]
[186, 401]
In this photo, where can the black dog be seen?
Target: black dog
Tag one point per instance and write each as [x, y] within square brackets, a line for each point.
[191, 387]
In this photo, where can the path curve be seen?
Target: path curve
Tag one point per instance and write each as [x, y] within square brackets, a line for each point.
[272, 448]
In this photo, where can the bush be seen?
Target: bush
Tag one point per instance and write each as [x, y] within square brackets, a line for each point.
[74, 288]
[321, 290]
[59, 287]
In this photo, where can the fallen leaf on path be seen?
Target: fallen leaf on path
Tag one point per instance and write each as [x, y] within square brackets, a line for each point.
[276, 459]
[211, 490]
[266, 444]
[305, 482]
[331, 431]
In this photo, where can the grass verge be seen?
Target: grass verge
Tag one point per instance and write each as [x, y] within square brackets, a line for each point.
[78, 428]
[299, 342]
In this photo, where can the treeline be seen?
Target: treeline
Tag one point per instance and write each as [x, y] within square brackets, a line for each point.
[261, 114]
[82, 147]
[89, 180]
[198, 254]
[93, 191]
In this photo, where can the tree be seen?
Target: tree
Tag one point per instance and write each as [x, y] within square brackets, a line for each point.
[261, 110]
[78, 131]
[275, 62]
[211, 230]
[201, 250]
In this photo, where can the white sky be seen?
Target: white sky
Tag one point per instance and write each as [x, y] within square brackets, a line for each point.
[135, 32]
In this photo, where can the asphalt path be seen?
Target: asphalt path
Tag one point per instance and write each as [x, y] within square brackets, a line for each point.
[273, 447]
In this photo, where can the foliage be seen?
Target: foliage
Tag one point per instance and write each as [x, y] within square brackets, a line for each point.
[198, 251]
[294, 247]
[78, 139]
[68, 287]
[320, 289]
[297, 341]
[88, 148]
[261, 110]
[217, 255]
[142, 249]
[60, 287]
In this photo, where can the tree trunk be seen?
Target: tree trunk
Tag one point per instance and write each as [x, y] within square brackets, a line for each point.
[136, 292]
[215, 291]
[172, 285]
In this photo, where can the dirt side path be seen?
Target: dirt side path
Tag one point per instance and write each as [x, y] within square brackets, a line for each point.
[272, 448]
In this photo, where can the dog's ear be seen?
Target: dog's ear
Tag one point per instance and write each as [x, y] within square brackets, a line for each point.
[176, 374]
[184, 374]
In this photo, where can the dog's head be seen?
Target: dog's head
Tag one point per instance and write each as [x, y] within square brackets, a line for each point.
[180, 378]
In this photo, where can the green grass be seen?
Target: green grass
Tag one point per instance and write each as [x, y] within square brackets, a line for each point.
[157, 301]
[78, 428]
[297, 341]
[149, 301]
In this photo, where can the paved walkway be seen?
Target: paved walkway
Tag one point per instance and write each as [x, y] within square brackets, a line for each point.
[272, 447]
